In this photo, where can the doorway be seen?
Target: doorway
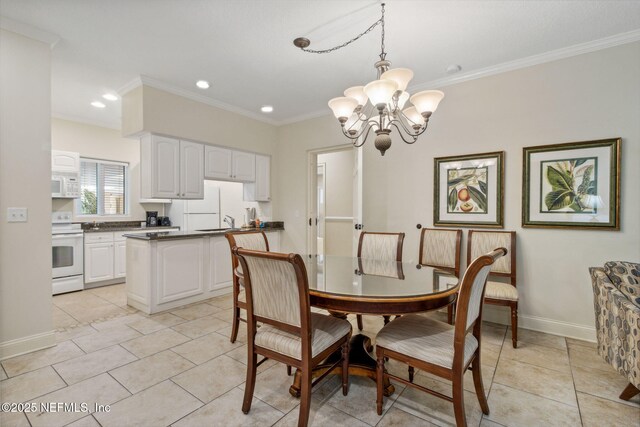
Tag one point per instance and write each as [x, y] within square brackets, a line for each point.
[335, 200]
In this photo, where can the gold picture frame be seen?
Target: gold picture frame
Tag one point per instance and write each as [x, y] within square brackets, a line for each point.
[469, 190]
[573, 185]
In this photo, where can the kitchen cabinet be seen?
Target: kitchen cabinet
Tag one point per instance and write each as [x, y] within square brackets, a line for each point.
[180, 269]
[120, 259]
[98, 262]
[229, 165]
[260, 190]
[171, 168]
[221, 274]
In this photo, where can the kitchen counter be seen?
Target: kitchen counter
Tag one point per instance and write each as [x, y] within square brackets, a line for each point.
[125, 228]
[172, 235]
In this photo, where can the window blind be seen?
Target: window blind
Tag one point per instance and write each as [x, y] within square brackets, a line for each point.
[103, 187]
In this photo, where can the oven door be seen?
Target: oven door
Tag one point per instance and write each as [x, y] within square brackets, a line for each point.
[67, 255]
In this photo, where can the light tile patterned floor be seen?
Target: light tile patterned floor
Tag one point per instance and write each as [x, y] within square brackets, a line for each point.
[179, 368]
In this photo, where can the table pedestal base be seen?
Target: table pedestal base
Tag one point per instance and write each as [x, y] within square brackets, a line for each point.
[360, 363]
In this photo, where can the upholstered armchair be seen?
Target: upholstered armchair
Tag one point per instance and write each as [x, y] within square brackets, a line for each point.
[616, 289]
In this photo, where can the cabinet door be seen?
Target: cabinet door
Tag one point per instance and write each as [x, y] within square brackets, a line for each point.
[263, 178]
[192, 170]
[180, 269]
[120, 258]
[98, 262]
[221, 274]
[165, 158]
[244, 167]
[217, 163]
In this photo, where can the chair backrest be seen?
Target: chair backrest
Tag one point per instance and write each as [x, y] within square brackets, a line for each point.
[471, 293]
[441, 248]
[382, 246]
[482, 242]
[377, 267]
[255, 240]
[277, 289]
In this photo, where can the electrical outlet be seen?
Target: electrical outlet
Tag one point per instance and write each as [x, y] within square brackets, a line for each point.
[16, 214]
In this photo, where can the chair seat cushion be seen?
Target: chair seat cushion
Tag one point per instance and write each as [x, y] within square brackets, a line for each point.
[325, 331]
[500, 290]
[422, 338]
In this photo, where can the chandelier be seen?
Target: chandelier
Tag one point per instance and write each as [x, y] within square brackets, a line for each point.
[378, 105]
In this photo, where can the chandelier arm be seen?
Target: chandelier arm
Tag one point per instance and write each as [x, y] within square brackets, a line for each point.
[366, 135]
[411, 131]
[413, 138]
[357, 135]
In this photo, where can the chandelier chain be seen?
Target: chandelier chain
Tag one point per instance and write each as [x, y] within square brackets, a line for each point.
[382, 52]
[368, 30]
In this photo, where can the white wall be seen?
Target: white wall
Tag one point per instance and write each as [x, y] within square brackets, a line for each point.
[25, 176]
[586, 97]
[105, 144]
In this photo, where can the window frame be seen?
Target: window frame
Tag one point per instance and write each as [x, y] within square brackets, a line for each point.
[127, 191]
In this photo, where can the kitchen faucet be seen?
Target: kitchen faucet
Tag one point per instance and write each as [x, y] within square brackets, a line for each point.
[230, 221]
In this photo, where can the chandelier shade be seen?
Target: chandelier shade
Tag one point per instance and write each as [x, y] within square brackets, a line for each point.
[343, 106]
[386, 96]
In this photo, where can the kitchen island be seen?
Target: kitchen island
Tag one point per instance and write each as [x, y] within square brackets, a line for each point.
[170, 269]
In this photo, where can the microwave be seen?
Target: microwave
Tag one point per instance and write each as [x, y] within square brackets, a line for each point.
[65, 186]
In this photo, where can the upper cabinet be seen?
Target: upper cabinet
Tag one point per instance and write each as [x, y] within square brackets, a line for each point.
[229, 165]
[170, 168]
[260, 190]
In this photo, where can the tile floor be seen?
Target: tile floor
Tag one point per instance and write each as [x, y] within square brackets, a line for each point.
[179, 368]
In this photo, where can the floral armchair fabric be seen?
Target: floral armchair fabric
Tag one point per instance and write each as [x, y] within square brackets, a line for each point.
[616, 290]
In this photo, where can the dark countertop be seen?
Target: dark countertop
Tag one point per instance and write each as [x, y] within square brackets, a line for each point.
[175, 235]
[124, 228]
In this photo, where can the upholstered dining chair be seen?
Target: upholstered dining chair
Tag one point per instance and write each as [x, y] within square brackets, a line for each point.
[498, 293]
[382, 247]
[438, 347]
[256, 240]
[440, 248]
[277, 291]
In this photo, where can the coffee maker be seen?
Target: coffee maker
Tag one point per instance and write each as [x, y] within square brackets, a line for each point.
[152, 218]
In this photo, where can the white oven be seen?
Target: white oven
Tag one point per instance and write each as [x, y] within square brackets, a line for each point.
[66, 254]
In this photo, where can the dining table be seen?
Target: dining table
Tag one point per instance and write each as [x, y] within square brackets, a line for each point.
[345, 284]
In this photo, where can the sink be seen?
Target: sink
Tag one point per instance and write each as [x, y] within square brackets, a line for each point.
[217, 229]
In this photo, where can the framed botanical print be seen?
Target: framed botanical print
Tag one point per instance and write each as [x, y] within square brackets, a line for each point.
[573, 185]
[469, 190]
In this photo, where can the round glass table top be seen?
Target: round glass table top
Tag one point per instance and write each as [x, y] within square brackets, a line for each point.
[368, 278]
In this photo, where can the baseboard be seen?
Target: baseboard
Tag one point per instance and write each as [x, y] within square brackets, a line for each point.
[28, 344]
[540, 324]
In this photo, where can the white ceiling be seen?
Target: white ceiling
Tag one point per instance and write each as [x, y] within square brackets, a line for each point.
[244, 47]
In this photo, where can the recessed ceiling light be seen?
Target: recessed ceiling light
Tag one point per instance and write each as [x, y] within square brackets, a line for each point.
[110, 97]
[98, 104]
[267, 108]
[202, 84]
[453, 68]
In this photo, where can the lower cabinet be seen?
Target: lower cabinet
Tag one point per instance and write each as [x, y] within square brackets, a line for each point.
[120, 259]
[221, 274]
[98, 261]
[180, 269]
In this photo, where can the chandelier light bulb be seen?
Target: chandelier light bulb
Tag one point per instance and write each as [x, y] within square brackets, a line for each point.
[343, 107]
[427, 101]
[414, 117]
[357, 92]
[402, 76]
[380, 91]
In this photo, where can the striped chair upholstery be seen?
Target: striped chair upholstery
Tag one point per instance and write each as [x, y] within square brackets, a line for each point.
[277, 289]
[498, 292]
[432, 346]
[440, 248]
[382, 246]
[255, 240]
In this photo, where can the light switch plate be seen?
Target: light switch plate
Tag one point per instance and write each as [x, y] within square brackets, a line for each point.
[16, 214]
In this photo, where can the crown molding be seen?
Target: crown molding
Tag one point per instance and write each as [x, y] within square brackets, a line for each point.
[303, 117]
[128, 87]
[84, 120]
[29, 31]
[553, 55]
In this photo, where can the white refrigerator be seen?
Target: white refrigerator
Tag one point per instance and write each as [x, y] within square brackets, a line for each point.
[202, 214]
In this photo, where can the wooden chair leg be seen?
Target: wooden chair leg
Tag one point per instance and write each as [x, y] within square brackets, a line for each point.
[629, 392]
[289, 370]
[386, 319]
[235, 324]
[359, 319]
[305, 399]
[458, 400]
[379, 379]
[514, 325]
[345, 368]
[411, 373]
[479, 386]
[450, 308]
[251, 382]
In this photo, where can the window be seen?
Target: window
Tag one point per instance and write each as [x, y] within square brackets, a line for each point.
[103, 188]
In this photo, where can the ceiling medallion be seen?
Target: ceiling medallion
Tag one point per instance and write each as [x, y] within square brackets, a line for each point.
[379, 104]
